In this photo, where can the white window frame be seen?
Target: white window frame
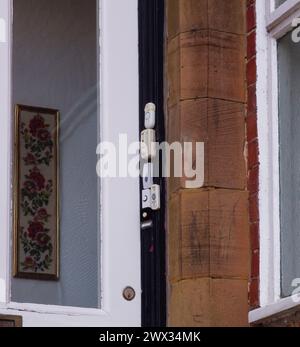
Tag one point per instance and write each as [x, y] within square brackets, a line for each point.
[272, 24]
[120, 243]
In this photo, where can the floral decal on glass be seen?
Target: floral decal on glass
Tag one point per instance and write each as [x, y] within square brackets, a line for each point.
[36, 204]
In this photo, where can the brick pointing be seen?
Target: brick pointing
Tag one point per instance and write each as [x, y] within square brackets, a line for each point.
[253, 161]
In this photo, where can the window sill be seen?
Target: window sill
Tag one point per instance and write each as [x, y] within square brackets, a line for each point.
[274, 309]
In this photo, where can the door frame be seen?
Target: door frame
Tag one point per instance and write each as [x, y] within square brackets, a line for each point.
[153, 240]
[120, 249]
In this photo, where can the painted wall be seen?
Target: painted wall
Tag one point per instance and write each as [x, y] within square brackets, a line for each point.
[55, 65]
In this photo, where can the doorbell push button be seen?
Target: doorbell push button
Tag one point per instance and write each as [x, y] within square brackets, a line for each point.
[150, 116]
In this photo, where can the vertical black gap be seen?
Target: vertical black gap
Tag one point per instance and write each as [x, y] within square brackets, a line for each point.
[151, 70]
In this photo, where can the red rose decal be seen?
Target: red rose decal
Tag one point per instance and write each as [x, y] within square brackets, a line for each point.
[36, 124]
[42, 214]
[29, 263]
[42, 239]
[37, 178]
[34, 229]
[30, 187]
[43, 135]
[29, 159]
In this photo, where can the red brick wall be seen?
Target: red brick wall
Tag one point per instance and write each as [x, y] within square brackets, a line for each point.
[253, 163]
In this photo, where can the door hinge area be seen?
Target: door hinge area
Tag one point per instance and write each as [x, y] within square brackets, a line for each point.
[150, 191]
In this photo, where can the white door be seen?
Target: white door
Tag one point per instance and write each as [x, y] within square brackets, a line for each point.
[119, 238]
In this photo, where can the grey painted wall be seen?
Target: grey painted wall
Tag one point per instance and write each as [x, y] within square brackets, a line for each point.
[289, 129]
[55, 65]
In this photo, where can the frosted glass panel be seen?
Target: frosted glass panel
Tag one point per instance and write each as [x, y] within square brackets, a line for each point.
[289, 129]
[55, 66]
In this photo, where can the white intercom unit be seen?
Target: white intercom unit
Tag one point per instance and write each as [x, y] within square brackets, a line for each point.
[151, 191]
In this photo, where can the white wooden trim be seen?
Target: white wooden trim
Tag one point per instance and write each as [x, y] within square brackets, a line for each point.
[120, 196]
[40, 319]
[274, 308]
[265, 200]
[5, 153]
[279, 21]
[270, 6]
[267, 121]
[120, 240]
[54, 309]
[269, 186]
[275, 171]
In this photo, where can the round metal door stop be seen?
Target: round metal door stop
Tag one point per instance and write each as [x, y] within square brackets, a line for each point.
[129, 293]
